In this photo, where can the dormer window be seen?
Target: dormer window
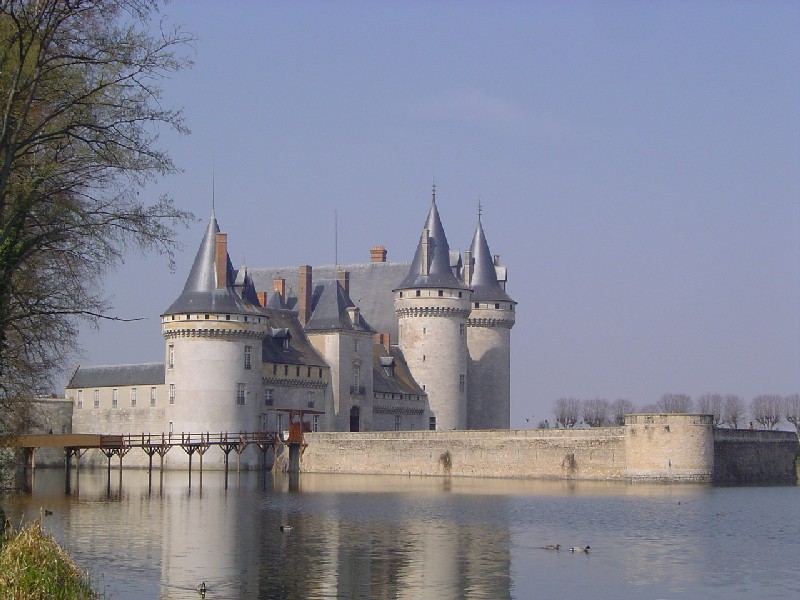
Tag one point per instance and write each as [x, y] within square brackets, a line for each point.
[286, 343]
[387, 364]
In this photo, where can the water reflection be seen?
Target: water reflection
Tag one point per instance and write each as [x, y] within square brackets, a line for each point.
[404, 537]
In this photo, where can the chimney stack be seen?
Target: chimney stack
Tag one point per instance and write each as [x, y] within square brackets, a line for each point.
[384, 339]
[221, 260]
[279, 285]
[344, 281]
[304, 294]
[262, 298]
[425, 266]
[378, 254]
[467, 267]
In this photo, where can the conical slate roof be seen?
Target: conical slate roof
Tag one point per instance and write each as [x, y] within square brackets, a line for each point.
[200, 293]
[484, 284]
[438, 272]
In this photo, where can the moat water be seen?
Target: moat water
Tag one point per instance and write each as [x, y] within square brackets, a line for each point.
[403, 537]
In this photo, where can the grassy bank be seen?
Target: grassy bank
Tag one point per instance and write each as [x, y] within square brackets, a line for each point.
[34, 567]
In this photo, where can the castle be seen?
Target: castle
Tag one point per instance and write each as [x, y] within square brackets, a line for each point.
[366, 347]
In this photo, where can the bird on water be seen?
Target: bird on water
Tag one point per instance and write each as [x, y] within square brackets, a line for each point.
[551, 547]
[580, 549]
[286, 527]
[201, 589]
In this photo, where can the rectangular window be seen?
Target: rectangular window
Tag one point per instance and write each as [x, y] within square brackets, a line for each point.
[172, 393]
[171, 356]
[309, 372]
[274, 369]
[310, 399]
[114, 397]
[397, 422]
[320, 373]
[432, 423]
[248, 350]
[356, 377]
[462, 382]
[279, 420]
[297, 371]
[355, 346]
[461, 328]
[240, 392]
[269, 397]
[314, 422]
[152, 396]
[80, 398]
[285, 370]
[97, 398]
[133, 396]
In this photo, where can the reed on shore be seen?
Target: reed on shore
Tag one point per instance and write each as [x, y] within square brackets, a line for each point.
[33, 566]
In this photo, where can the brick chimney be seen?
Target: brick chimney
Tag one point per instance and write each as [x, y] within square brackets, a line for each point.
[378, 254]
[221, 260]
[262, 298]
[344, 281]
[304, 294]
[279, 285]
[384, 339]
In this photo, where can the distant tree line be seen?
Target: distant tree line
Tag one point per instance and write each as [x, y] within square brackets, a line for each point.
[767, 411]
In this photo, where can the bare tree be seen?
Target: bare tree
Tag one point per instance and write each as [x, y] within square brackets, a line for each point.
[595, 412]
[674, 403]
[766, 410]
[80, 111]
[566, 412]
[791, 410]
[711, 404]
[733, 410]
[619, 408]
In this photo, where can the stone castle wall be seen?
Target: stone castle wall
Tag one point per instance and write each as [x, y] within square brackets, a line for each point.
[545, 453]
[648, 448]
[755, 456]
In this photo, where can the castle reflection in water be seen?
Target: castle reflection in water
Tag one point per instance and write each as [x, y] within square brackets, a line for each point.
[350, 537]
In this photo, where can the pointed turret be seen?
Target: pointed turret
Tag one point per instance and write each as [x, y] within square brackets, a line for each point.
[209, 287]
[483, 276]
[491, 318]
[432, 306]
[431, 265]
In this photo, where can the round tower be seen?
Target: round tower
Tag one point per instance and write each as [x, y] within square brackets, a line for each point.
[491, 317]
[432, 307]
[213, 350]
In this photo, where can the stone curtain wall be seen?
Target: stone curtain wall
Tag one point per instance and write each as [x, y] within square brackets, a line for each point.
[543, 453]
[742, 455]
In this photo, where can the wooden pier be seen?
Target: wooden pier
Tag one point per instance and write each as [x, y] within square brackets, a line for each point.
[76, 445]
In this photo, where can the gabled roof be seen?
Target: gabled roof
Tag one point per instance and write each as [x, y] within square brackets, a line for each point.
[483, 281]
[329, 310]
[438, 271]
[117, 375]
[200, 293]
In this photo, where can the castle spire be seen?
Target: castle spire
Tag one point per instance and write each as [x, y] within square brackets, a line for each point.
[431, 264]
[483, 281]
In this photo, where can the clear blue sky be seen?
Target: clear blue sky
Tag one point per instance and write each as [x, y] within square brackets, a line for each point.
[638, 164]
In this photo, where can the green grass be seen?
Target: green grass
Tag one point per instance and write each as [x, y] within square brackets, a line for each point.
[34, 567]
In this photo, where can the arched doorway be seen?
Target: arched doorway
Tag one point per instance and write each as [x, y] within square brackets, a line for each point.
[355, 419]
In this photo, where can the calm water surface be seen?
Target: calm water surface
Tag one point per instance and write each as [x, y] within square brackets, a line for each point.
[402, 537]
